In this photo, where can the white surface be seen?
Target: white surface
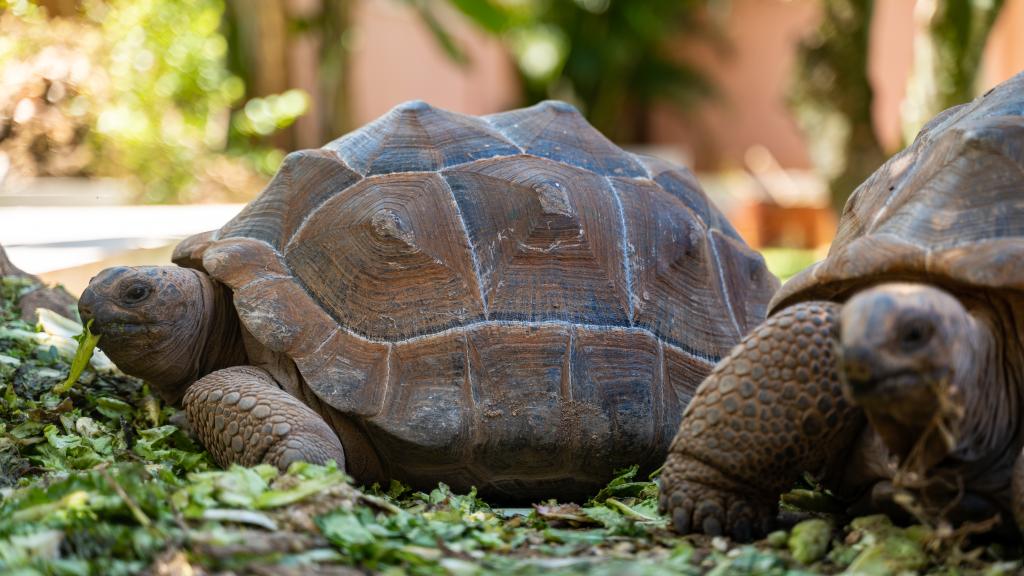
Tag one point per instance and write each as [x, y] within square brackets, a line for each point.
[42, 239]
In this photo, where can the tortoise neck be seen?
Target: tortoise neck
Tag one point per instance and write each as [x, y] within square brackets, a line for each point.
[214, 341]
[219, 344]
[989, 377]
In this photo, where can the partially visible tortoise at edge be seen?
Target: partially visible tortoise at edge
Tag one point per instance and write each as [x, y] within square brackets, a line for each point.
[38, 295]
[508, 301]
[894, 365]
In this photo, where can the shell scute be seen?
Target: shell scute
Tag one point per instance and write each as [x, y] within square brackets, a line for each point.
[305, 180]
[616, 391]
[388, 258]
[348, 373]
[682, 184]
[428, 411]
[415, 136]
[557, 131]
[546, 239]
[520, 380]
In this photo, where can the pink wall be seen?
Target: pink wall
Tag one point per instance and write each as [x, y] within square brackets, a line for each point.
[395, 58]
[752, 77]
[1004, 55]
[890, 60]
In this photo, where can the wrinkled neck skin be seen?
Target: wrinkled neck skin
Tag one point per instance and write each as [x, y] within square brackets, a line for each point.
[206, 339]
[990, 436]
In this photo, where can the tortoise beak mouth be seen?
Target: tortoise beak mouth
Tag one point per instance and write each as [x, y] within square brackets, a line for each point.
[110, 321]
[868, 377]
[885, 387]
[86, 305]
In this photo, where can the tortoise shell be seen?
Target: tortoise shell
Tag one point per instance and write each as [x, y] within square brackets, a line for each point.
[490, 300]
[948, 209]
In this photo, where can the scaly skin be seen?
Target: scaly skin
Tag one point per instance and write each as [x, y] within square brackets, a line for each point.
[242, 417]
[771, 410]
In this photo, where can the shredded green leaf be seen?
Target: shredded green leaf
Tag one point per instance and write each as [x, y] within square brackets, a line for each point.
[86, 344]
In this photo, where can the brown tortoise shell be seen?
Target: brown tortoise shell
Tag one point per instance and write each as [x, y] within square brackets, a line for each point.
[947, 209]
[510, 293]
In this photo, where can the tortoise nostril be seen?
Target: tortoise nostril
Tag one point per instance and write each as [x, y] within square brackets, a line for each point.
[85, 305]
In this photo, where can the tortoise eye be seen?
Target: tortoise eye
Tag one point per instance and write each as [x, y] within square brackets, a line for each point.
[914, 334]
[136, 293]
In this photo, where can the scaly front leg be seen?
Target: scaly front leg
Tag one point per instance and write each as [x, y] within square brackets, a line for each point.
[242, 417]
[771, 410]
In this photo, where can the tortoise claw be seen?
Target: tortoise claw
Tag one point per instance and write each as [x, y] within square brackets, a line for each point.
[681, 519]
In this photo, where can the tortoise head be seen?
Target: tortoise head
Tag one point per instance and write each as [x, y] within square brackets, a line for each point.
[154, 322]
[908, 352]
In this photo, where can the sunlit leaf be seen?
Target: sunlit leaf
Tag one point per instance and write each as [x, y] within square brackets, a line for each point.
[86, 344]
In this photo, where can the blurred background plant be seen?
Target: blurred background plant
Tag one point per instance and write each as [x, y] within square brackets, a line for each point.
[611, 58]
[833, 96]
[135, 89]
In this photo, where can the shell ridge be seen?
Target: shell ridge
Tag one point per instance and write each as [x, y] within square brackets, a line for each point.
[260, 279]
[469, 244]
[341, 145]
[643, 165]
[721, 282]
[526, 145]
[368, 168]
[487, 120]
[319, 347]
[416, 122]
[531, 156]
[489, 129]
[568, 364]
[624, 242]
[471, 396]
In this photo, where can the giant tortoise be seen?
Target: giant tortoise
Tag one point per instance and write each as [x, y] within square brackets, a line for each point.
[894, 368]
[508, 301]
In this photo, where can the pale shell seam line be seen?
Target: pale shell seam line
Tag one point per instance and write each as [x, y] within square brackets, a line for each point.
[532, 323]
[469, 244]
[720, 272]
[624, 245]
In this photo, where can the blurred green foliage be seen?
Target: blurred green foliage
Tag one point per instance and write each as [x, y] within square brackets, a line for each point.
[787, 262]
[146, 85]
[611, 58]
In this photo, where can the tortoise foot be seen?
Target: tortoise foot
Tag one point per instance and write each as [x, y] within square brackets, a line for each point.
[242, 417]
[692, 495]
